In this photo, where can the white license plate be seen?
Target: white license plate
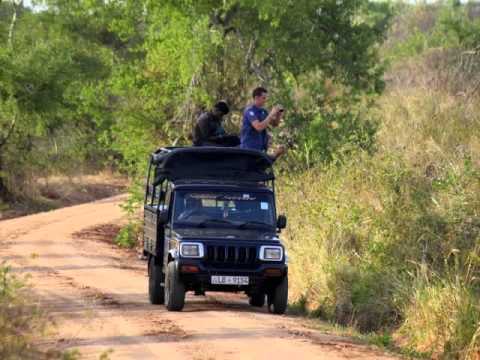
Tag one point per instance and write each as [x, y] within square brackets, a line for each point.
[229, 280]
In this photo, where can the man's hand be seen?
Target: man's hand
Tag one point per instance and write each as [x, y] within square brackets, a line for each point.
[276, 114]
[272, 119]
[277, 119]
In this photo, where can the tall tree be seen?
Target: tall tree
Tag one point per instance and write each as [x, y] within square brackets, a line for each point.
[178, 56]
[43, 75]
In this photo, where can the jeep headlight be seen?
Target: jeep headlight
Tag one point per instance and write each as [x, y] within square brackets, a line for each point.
[191, 250]
[271, 253]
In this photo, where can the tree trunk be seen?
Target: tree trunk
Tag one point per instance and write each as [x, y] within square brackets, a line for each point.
[11, 29]
[5, 195]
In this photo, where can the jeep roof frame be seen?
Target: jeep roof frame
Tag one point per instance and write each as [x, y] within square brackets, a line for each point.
[212, 164]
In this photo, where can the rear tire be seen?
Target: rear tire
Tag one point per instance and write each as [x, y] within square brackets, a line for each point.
[257, 299]
[156, 292]
[174, 289]
[278, 298]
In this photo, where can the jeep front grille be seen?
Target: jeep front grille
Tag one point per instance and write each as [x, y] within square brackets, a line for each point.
[231, 256]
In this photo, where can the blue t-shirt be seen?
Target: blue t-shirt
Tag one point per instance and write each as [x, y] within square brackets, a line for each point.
[249, 137]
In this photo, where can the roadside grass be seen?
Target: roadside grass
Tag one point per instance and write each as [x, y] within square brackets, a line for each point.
[19, 320]
[380, 340]
[389, 244]
[22, 323]
[129, 235]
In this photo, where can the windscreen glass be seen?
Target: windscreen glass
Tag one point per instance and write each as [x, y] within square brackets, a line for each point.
[223, 209]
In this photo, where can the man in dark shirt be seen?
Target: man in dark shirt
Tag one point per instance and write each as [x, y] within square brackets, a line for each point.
[209, 131]
[256, 121]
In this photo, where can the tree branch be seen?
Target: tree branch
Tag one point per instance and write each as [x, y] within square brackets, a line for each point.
[11, 28]
[221, 17]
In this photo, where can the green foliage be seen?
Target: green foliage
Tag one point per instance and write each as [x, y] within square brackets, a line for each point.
[97, 81]
[45, 79]
[22, 323]
[390, 240]
[363, 229]
[20, 319]
[329, 135]
[127, 237]
[443, 25]
[456, 28]
[380, 340]
[130, 233]
[162, 86]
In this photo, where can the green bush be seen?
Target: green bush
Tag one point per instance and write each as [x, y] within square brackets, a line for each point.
[422, 27]
[362, 226]
[128, 235]
[22, 323]
[19, 319]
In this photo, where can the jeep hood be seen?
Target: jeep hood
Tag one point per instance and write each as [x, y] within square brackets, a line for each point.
[225, 233]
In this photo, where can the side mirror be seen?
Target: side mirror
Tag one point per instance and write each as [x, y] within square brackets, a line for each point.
[281, 222]
[163, 217]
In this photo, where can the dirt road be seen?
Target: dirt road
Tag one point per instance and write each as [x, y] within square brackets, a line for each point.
[97, 296]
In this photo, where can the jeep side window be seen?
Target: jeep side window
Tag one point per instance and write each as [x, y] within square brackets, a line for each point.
[149, 195]
[150, 189]
[156, 195]
[161, 196]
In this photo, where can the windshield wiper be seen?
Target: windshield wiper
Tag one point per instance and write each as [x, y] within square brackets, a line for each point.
[254, 223]
[213, 221]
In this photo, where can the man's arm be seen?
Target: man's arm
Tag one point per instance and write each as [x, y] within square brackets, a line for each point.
[262, 125]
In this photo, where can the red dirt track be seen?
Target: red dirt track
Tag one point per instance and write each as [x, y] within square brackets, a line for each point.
[97, 296]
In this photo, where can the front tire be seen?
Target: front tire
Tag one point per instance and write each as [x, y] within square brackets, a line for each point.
[174, 289]
[156, 292]
[278, 298]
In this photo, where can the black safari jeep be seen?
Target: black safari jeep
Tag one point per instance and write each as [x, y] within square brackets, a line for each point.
[211, 225]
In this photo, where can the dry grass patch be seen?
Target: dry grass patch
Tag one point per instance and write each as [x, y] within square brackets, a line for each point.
[22, 324]
[59, 191]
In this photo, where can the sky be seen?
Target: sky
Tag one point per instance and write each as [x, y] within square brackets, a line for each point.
[28, 3]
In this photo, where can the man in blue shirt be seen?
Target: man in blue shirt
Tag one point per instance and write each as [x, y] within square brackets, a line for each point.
[256, 121]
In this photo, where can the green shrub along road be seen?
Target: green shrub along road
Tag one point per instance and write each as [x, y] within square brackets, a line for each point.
[390, 241]
[382, 184]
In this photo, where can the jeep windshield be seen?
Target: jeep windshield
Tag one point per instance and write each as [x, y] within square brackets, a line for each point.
[229, 209]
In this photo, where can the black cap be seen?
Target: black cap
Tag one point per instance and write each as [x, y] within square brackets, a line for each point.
[222, 106]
